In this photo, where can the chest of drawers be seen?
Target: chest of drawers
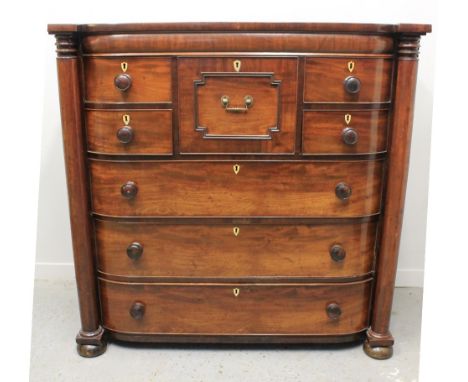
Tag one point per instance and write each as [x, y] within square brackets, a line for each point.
[236, 182]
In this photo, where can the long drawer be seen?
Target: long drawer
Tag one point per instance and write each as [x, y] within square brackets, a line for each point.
[139, 249]
[243, 188]
[314, 309]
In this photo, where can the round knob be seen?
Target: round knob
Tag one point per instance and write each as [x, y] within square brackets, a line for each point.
[337, 252]
[352, 85]
[129, 190]
[134, 251]
[123, 82]
[333, 311]
[343, 191]
[349, 136]
[125, 134]
[137, 311]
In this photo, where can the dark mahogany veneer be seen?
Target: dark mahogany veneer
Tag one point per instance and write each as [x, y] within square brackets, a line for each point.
[236, 182]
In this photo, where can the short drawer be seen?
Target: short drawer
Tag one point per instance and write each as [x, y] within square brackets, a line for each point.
[348, 80]
[322, 309]
[128, 79]
[237, 104]
[138, 249]
[243, 188]
[129, 131]
[344, 132]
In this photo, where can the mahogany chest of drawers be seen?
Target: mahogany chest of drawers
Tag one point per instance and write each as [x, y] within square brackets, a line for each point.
[236, 182]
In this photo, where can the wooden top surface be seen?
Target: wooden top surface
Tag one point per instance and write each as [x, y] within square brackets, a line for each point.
[241, 27]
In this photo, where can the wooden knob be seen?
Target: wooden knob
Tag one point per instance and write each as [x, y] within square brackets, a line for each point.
[337, 252]
[123, 82]
[137, 311]
[129, 190]
[352, 85]
[125, 134]
[134, 251]
[343, 191]
[333, 311]
[350, 136]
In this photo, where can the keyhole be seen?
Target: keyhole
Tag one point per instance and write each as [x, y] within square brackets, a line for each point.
[236, 292]
[236, 169]
[236, 231]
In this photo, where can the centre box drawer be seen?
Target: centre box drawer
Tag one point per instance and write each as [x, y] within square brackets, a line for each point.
[295, 309]
[237, 105]
[245, 188]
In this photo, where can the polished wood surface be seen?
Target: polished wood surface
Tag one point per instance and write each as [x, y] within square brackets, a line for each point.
[323, 130]
[202, 188]
[268, 126]
[236, 42]
[151, 131]
[150, 77]
[235, 250]
[324, 79]
[245, 181]
[214, 308]
[400, 145]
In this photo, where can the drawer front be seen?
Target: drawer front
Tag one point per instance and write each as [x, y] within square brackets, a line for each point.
[243, 188]
[237, 105]
[332, 80]
[235, 308]
[140, 79]
[235, 251]
[129, 131]
[345, 132]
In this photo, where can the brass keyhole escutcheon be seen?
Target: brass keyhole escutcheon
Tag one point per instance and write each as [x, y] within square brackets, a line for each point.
[236, 231]
[236, 292]
[126, 119]
[124, 66]
[237, 65]
[351, 66]
[236, 169]
[347, 118]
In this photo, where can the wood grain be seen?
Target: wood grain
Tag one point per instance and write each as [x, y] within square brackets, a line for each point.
[151, 79]
[208, 250]
[322, 131]
[213, 308]
[273, 107]
[202, 188]
[324, 79]
[152, 131]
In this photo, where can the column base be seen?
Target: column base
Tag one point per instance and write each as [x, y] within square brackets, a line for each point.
[378, 346]
[91, 344]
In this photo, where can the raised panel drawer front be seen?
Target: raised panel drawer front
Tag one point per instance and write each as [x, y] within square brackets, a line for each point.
[237, 105]
[323, 309]
[139, 249]
[348, 79]
[344, 132]
[236, 188]
[129, 131]
[128, 79]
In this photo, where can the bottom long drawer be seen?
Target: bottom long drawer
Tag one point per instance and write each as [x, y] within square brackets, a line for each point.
[236, 309]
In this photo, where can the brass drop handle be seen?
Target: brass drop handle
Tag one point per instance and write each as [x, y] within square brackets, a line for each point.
[129, 190]
[333, 311]
[137, 310]
[248, 102]
[123, 82]
[134, 251]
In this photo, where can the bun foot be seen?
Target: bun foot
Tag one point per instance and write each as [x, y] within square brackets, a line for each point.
[378, 352]
[90, 351]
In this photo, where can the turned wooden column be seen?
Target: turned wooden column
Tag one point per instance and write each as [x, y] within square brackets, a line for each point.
[89, 338]
[379, 339]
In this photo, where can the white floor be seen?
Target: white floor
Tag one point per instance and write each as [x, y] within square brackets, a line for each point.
[56, 322]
